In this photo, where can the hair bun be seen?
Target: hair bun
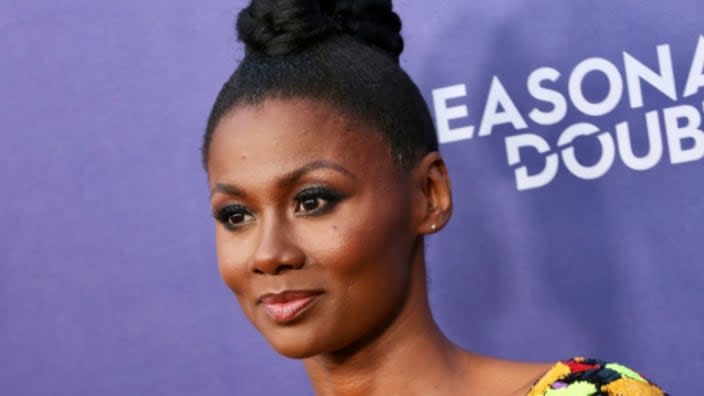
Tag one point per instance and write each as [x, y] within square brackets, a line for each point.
[277, 27]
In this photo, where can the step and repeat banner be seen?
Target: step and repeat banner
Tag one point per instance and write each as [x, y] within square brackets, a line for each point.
[574, 136]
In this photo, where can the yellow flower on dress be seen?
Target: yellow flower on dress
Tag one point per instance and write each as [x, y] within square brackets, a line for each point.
[630, 387]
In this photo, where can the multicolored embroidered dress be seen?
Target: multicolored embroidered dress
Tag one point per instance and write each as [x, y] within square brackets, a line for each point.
[590, 377]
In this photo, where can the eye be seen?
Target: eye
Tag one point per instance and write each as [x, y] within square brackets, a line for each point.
[316, 200]
[233, 216]
[310, 204]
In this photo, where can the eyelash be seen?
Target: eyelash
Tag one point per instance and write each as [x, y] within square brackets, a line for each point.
[224, 214]
[331, 198]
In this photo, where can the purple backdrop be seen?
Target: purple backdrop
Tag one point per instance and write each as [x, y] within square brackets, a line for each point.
[560, 245]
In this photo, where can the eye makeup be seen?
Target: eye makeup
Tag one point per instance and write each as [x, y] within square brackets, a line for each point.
[233, 217]
[317, 200]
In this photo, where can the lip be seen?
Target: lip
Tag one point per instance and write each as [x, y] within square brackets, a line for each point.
[286, 306]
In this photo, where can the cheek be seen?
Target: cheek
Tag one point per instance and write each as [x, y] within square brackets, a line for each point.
[231, 256]
[371, 236]
[230, 260]
[370, 261]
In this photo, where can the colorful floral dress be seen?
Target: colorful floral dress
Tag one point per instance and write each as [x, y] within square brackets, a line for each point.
[590, 377]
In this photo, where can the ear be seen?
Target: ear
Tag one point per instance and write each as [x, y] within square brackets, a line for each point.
[433, 197]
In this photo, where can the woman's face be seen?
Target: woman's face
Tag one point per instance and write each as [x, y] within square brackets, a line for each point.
[315, 233]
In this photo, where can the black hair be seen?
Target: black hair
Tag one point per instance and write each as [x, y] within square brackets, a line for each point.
[344, 53]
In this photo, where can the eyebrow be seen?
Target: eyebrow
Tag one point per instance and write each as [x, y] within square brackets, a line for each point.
[287, 179]
[228, 189]
[293, 176]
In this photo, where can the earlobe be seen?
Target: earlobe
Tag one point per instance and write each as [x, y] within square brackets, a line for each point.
[435, 193]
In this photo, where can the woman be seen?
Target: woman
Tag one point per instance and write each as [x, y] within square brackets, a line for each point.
[325, 176]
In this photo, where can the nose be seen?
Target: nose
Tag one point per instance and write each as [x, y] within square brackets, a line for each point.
[276, 251]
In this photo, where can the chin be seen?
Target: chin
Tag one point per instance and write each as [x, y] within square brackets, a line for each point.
[293, 350]
[295, 353]
[294, 343]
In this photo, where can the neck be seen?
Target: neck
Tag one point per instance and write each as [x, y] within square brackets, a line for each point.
[411, 356]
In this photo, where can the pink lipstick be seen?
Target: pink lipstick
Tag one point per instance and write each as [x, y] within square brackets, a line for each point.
[286, 306]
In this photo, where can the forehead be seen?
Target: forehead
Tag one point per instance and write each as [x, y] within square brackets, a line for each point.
[278, 135]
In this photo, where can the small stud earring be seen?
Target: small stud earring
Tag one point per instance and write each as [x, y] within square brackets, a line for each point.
[433, 227]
